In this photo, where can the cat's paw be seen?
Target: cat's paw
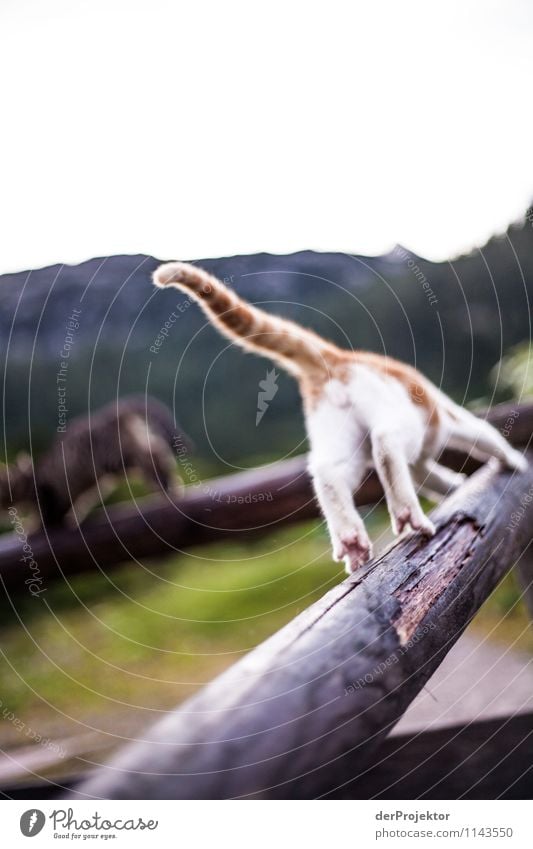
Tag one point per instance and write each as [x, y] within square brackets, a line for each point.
[412, 519]
[354, 548]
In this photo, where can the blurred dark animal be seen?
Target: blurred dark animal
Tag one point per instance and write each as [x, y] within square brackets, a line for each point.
[135, 434]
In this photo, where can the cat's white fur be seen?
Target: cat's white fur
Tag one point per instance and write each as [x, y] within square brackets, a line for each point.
[362, 411]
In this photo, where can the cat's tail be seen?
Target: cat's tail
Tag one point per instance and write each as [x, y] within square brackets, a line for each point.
[296, 349]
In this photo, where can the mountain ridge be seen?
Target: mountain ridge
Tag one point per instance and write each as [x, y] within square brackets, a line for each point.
[478, 308]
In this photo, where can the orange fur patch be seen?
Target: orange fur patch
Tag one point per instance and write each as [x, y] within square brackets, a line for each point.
[416, 385]
[337, 366]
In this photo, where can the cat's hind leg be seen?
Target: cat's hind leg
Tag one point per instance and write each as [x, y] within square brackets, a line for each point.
[477, 437]
[390, 455]
[436, 480]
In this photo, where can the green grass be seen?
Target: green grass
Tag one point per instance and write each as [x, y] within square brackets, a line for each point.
[150, 635]
[143, 638]
[504, 617]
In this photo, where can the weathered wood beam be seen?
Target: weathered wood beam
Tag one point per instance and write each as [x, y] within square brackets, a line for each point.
[490, 759]
[294, 715]
[232, 506]
[253, 502]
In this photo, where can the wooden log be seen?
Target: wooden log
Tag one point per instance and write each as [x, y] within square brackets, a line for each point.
[490, 759]
[43, 789]
[233, 506]
[254, 502]
[291, 718]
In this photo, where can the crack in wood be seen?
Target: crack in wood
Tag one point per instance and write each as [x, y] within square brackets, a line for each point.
[429, 579]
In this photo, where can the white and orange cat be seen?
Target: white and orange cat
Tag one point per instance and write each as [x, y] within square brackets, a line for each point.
[362, 410]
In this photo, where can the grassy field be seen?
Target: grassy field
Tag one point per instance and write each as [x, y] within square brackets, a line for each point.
[145, 637]
[115, 650]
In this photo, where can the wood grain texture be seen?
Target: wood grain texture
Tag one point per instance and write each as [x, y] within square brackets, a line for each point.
[293, 717]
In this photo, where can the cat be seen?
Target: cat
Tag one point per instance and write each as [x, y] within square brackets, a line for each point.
[362, 410]
[84, 463]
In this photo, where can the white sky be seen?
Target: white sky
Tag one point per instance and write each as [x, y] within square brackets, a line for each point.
[195, 129]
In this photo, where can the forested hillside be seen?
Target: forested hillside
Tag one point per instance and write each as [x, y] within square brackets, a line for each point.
[78, 335]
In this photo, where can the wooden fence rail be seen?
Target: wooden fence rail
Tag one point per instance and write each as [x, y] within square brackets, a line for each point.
[298, 715]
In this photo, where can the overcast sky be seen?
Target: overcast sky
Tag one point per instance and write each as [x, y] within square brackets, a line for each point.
[211, 128]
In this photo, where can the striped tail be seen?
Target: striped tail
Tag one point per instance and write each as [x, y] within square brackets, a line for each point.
[294, 348]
